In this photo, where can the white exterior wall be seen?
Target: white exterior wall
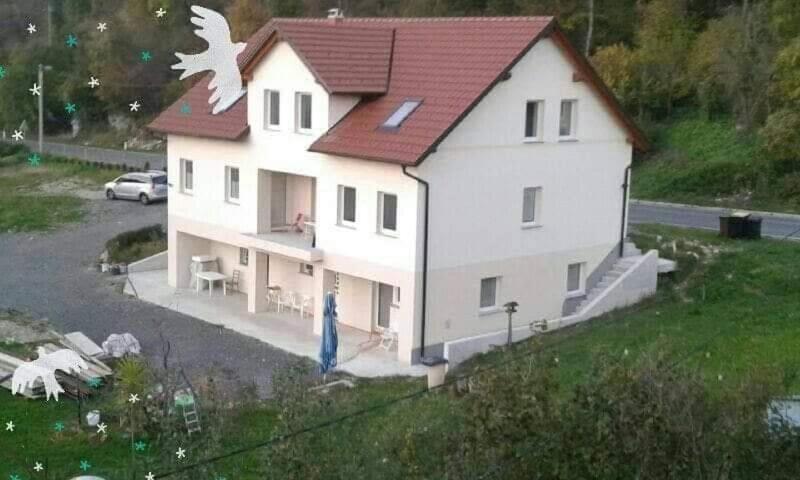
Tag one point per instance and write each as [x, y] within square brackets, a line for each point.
[477, 178]
[360, 253]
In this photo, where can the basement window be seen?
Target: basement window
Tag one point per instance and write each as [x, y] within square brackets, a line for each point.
[401, 114]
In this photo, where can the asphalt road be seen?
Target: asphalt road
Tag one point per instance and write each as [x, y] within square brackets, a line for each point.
[773, 225]
[50, 275]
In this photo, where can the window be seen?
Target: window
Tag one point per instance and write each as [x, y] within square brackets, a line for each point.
[187, 176]
[387, 213]
[533, 119]
[396, 296]
[244, 256]
[489, 292]
[347, 206]
[232, 184]
[575, 278]
[401, 114]
[566, 124]
[531, 202]
[272, 109]
[307, 269]
[303, 112]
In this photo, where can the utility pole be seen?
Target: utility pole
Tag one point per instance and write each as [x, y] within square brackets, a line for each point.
[49, 23]
[41, 108]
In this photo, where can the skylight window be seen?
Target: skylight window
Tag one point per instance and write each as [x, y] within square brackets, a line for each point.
[401, 114]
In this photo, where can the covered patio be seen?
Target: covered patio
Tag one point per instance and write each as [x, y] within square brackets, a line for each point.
[359, 352]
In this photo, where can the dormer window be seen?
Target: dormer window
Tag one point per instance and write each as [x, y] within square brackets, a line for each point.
[401, 114]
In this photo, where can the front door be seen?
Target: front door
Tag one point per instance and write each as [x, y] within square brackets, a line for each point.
[385, 293]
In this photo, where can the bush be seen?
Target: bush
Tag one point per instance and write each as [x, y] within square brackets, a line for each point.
[137, 244]
[8, 149]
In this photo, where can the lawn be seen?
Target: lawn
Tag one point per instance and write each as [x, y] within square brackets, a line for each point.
[708, 162]
[730, 312]
[24, 206]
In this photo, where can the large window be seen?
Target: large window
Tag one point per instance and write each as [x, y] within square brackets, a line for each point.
[347, 206]
[567, 122]
[533, 120]
[489, 288]
[531, 204]
[187, 176]
[232, 184]
[272, 109]
[303, 112]
[575, 278]
[387, 213]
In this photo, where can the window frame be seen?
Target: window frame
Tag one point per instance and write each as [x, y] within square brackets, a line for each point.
[412, 104]
[228, 178]
[306, 269]
[539, 119]
[298, 113]
[496, 306]
[246, 256]
[381, 203]
[183, 164]
[573, 130]
[537, 207]
[341, 221]
[581, 290]
[268, 104]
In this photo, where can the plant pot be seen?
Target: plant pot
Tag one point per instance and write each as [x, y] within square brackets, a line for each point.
[123, 268]
[104, 267]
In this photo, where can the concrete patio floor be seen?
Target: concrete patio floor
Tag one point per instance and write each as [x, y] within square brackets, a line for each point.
[359, 353]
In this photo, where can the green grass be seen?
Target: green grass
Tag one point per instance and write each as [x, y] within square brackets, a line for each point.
[732, 309]
[23, 207]
[706, 162]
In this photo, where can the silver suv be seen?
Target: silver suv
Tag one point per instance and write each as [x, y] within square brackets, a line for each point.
[143, 186]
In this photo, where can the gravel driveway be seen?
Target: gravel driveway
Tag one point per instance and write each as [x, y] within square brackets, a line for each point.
[50, 275]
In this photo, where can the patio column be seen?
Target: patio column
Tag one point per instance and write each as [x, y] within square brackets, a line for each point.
[257, 281]
[323, 283]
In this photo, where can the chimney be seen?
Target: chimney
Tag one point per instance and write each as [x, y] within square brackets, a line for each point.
[335, 14]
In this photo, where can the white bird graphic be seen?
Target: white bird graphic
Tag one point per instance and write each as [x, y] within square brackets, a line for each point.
[219, 58]
[44, 367]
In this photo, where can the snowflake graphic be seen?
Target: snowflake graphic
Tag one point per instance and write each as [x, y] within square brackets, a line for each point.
[72, 41]
[3, 72]
[140, 446]
[58, 427]
[85, 465]
[186, 109]
[95, 382]
[14, 476]
[34, 160]
[146, 56]
[71, 108]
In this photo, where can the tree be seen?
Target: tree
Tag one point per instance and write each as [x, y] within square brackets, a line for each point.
[245, 17]
[664, 39]
[618, 66]
[707, 61]
[286, 8]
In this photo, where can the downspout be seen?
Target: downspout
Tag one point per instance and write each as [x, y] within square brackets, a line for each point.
[424, 261]
[625, 185]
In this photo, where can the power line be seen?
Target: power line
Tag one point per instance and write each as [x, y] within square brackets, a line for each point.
[364, 411]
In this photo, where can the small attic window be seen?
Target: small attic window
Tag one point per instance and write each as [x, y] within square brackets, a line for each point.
[401, 114]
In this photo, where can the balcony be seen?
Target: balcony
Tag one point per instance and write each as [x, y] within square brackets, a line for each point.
[286, 212]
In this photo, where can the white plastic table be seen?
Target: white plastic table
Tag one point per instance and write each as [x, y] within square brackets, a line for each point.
[211, 277]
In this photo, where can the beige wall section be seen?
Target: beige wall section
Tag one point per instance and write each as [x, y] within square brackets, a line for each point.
[286, 274]
[355, 305]
[538, 283]
[228, 260]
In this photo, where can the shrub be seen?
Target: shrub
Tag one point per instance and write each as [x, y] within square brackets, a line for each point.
[136, 244]
[7, 149]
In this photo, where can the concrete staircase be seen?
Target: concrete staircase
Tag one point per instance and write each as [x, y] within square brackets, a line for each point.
[630, 256]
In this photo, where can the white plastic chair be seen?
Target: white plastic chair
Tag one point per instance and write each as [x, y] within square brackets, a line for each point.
[307, 305]
[389, 335]
[273, 298]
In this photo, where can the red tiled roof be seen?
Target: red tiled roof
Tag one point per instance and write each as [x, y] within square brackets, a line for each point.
[200, 122]
[448, 63]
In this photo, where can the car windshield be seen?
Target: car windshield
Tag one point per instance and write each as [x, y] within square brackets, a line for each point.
[160, 180]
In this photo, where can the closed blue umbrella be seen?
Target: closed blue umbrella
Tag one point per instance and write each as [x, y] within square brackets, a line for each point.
[330, 340]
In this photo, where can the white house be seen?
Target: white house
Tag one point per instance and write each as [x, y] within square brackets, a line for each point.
[440, 168]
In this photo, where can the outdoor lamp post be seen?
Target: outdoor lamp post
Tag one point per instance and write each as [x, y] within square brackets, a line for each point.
[511, 309]
[42, 69]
